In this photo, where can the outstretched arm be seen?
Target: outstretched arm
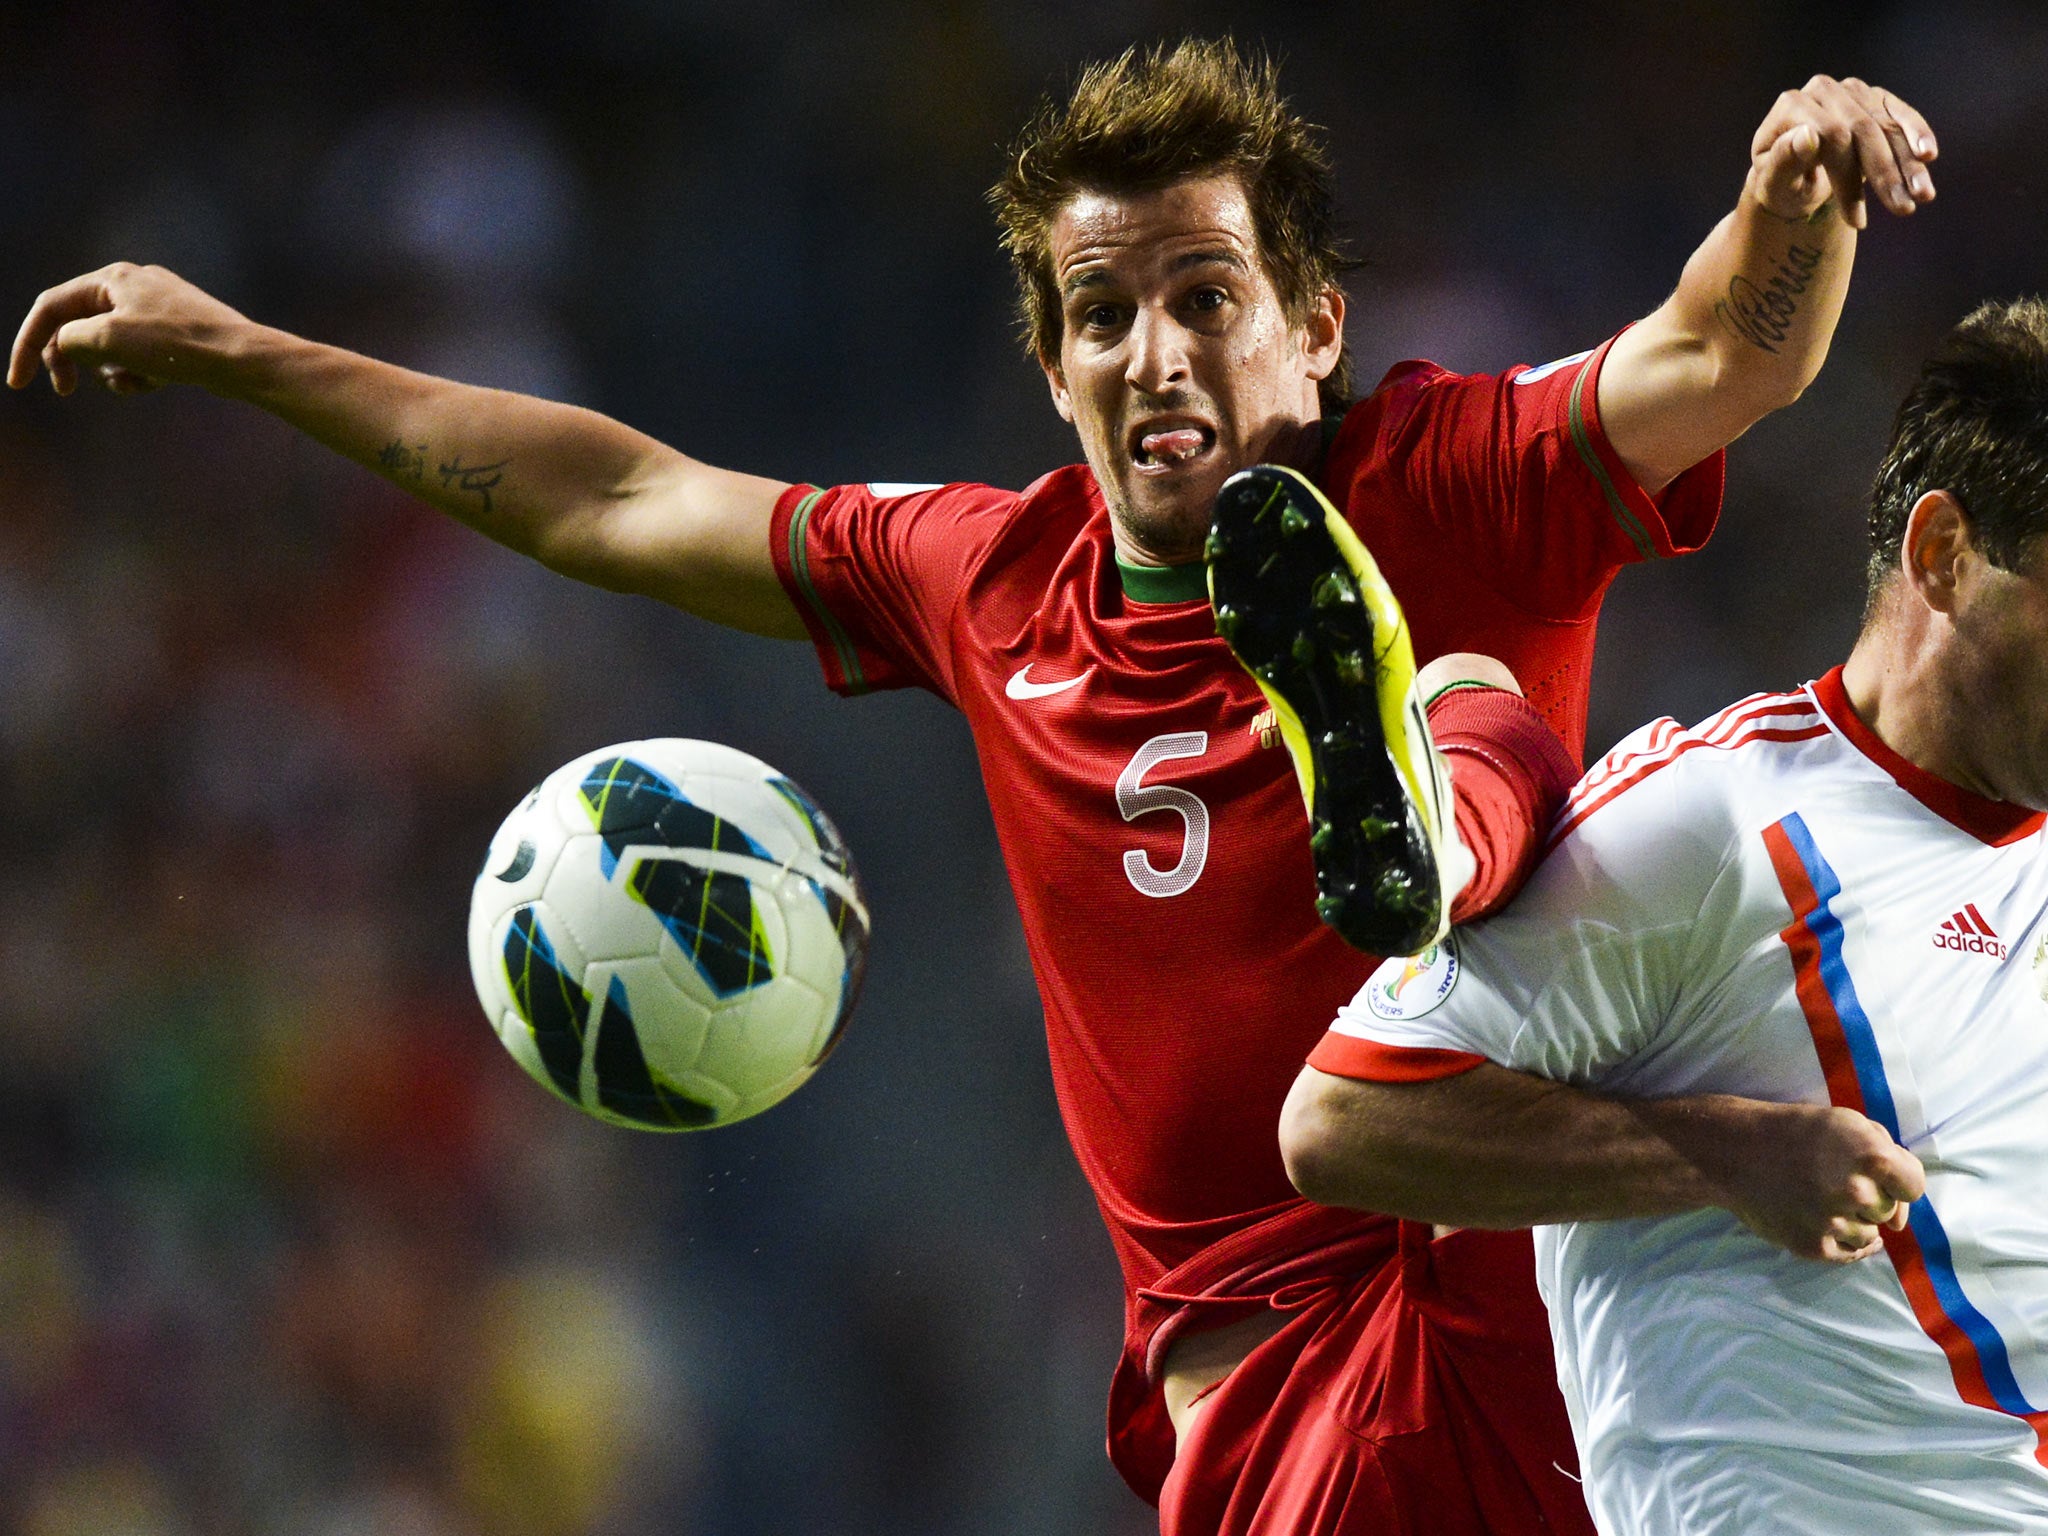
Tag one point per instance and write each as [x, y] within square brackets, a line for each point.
[578, 491]
[1498, 1148]
[1749, 324]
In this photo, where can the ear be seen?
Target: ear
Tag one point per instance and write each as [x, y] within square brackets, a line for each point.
[1935, 549]
[1056, 381]
[1322, 340]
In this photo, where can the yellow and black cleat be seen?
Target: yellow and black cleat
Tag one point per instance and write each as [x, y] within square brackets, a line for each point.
[1303, 607]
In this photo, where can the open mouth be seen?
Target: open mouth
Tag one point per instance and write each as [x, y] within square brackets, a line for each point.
[1161, 446]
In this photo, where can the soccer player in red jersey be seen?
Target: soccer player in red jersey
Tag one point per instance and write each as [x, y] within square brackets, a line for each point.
[1288, 1368]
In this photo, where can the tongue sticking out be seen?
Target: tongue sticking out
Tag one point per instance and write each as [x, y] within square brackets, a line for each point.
[1180, 443]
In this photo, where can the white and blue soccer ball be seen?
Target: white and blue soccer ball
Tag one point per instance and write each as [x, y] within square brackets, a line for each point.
[669, 934]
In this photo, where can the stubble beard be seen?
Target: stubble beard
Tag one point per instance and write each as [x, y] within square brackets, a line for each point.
[1171, 532]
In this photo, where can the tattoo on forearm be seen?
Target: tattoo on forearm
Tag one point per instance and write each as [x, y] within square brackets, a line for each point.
[408, 461]
[478, 479]
[1763, 315]
[398, 457]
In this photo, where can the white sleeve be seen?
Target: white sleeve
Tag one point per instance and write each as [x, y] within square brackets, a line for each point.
[1575, 977]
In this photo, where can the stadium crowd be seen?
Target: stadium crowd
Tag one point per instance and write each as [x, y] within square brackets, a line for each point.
[286, 1243]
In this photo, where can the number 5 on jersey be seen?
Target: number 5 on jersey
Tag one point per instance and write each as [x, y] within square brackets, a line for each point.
[1134, 798]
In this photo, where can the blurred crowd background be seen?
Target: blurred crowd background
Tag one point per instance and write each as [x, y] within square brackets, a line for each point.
[287, 1244]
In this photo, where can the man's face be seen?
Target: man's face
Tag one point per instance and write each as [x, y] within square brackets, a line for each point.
[1178, 365]
[2001, 674]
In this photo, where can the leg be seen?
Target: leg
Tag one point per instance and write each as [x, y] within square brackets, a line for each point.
[1509, 773]
[1409, 835]
[1302, 605]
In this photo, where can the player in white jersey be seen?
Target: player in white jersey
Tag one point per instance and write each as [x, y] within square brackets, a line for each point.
[1834, 899]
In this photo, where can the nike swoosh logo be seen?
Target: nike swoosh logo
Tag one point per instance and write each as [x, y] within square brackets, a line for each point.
[1021, 687]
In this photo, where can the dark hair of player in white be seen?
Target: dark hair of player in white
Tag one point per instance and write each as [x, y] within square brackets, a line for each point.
[1976, 426]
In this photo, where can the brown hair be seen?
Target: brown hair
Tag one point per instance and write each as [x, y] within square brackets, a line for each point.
[1145, 121]
[1975, 425]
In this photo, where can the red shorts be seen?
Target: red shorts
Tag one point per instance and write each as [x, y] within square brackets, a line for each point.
[1420, 1397]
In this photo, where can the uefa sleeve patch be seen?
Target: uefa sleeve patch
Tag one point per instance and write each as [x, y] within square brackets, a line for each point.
[1408, 987]
[1531, 375]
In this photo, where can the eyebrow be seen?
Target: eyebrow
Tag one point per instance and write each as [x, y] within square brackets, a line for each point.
[1099, 277]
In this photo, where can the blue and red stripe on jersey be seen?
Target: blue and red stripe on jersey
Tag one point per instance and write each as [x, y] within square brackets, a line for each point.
[1853, 1065]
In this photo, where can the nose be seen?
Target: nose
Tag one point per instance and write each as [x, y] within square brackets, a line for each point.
[1158, 359]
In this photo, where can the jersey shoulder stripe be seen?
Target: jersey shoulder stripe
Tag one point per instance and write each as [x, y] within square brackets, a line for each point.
[1659, 736]
[1760, 718]
[1582, 443]
[800, 567]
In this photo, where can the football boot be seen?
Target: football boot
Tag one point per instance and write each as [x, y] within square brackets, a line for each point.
[1303, 607]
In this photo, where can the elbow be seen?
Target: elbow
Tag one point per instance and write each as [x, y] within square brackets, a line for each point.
[1314, 1146]
[1765, 380]
[1792, 386]
[584, 550]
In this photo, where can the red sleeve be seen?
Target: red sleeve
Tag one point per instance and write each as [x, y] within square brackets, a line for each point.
[878, 577]
[1374, 1061]
[1516, 470]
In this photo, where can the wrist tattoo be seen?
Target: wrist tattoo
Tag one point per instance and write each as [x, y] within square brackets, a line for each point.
[477, 479]
[1763, 315]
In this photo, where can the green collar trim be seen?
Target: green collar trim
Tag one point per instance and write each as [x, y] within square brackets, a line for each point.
[1164, 583]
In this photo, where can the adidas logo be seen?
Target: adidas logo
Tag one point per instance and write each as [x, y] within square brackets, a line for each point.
[1968, 932]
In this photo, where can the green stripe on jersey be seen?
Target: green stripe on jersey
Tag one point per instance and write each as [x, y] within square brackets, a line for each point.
[800, 566]
[1583, 441]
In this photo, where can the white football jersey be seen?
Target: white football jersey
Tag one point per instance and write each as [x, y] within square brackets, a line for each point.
[1777, 905]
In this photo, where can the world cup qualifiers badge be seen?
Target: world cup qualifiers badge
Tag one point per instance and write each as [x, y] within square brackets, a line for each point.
[1408, 987]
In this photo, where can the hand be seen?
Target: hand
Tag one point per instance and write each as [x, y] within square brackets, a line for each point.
[1818, 1181]
[1838, 139]
[133, 327]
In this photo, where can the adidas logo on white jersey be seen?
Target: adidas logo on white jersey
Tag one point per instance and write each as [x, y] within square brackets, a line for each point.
[1968, 932]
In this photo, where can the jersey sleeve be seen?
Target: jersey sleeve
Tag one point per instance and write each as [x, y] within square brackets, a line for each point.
[1516, 471]
[1575, 980]
[877, 573]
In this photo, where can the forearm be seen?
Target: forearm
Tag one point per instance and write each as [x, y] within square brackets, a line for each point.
[1762, 295]
[588, 496]
[532, 474]
[1745, 331]
[1498, 1148]
[582, 493]
[1749, 324]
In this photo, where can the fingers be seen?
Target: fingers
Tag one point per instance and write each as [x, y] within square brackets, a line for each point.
[78, 343]
[1850, 1243]
[63, 372]
[1865, 142]
[1881, 1199]
[1791, 172]
[1918, 134]
[52, 310]
[71, 328]
[1901, 1180]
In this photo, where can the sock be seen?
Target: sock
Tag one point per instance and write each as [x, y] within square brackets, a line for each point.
[1509, 774]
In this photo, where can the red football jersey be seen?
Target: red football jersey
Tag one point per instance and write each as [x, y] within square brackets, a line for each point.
[1147, 812]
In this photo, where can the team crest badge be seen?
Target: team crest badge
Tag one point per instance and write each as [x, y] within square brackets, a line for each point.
[1410, 986]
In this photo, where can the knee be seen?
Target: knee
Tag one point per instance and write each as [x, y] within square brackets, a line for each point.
[1465, 667]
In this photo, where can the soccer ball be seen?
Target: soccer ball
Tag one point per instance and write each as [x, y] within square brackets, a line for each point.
[669, 934]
